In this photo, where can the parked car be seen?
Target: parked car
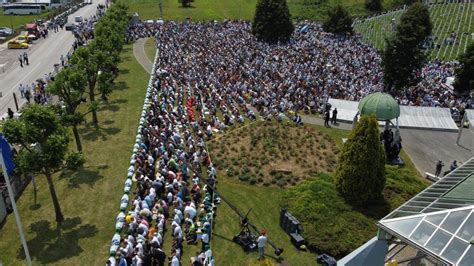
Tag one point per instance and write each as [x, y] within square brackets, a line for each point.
[16, 44]
[23, 37]
[4, 31]
[70, 27]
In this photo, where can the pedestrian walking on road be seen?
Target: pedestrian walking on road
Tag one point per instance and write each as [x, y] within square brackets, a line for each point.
[10, 113]
[25, 58]
[62, 60]
[439, 166]
[28, 96]
[20, 58]
[326, 118]
[334, 116]
[22, 91]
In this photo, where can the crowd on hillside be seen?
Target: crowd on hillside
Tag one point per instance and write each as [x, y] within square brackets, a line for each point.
[225, 59]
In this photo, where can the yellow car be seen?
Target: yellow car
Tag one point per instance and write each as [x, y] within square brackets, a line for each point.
[22, 38]
[16, 44]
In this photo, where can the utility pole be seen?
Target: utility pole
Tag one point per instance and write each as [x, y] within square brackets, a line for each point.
[15, 210]
[160, 4]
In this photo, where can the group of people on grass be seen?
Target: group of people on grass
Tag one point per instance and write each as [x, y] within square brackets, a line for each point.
[226, 60]
[175, 183]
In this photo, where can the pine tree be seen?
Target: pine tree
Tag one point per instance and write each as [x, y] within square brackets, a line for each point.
[338, 21]
[403, 54]
[464, 82]
[360, 173]
[373, 5]
[272, 22]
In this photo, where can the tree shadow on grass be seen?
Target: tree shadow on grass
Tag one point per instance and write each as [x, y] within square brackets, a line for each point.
[121, 85]
[376, 210]
[87, 175]
[92, 132]
[113, 106]
[52, 244]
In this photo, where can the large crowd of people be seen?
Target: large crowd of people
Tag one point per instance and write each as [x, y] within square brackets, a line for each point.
[211, 76]
[225, 60]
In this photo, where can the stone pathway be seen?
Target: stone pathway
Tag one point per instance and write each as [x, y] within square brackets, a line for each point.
[425, 147]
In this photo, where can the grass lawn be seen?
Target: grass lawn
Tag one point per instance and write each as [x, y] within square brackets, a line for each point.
[17, 21]
[89, 198]
[456, 17]
[331, 225]
[228, 9]
[150, 49]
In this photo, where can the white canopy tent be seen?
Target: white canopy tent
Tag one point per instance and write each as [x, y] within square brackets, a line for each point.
[410, 116]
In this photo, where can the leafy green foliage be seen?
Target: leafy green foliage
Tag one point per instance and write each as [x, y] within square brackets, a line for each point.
[99, 59]
[373, 5]
[272, 22]
[69, 85]
[44, 145]
[403, 54]
[464, 81]
[360, 173]
[331, 225]
[338, 21]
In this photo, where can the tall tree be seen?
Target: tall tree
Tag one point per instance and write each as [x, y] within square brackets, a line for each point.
[272, 21]
[464, 75]
[373, 5]
[403, 54]
[44, 146]
[70, 86]
[338, 21]
[360, 173]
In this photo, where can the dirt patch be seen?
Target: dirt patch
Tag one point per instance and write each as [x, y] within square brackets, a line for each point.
[273, 154]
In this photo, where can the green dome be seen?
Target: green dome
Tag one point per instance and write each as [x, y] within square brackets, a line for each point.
[383, 105]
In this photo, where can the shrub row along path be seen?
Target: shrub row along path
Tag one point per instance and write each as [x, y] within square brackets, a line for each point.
[425, 147]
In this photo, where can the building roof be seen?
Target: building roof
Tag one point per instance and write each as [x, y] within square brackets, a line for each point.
[439, 221]
[446, 235]
[452, 191]
[383, 105]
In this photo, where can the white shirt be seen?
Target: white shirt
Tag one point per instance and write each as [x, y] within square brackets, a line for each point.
[261, 241]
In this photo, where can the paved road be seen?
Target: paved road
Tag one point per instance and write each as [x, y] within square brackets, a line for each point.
[42, 56]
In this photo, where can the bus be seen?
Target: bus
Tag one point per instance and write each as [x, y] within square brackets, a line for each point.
[21, 9]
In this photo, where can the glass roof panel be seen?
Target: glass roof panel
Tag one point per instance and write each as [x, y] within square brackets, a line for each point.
[436, 218]
[438, 241]
[404, 226]
[468, 258]
[467, 230]
[454, 220]
[422, 233]
[455, 250]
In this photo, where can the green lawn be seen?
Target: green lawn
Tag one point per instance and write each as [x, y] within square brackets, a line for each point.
[330, 223]
[229, 9]
[445, 19]
[90, 198]
[17, 21]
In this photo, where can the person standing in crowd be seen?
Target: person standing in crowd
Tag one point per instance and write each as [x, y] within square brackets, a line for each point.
[261, 241]
[25, 58]
[334, 116]
[326, 118]
[20, 58]
[439, 167]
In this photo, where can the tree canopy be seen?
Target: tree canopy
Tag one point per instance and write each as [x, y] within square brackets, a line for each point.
[464, 75]
[403, 54]
[373, 5]
[360, 173]
[338, 21]
[272, 21]
[44, 146]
